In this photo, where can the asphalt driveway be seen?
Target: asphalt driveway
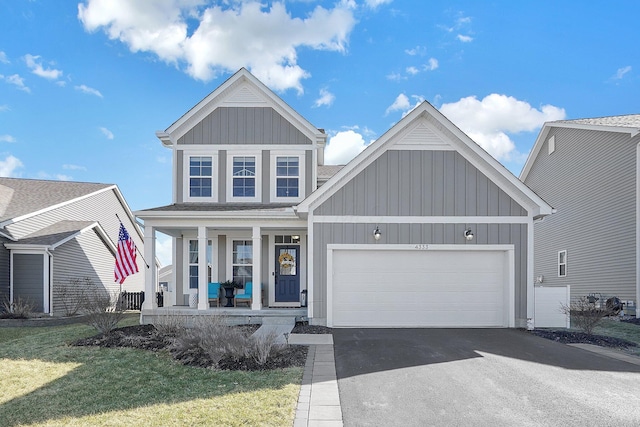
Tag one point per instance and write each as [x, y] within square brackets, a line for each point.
[479, 377]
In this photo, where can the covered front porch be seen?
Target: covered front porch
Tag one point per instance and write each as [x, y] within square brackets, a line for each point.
[234, 316]
[268, 253]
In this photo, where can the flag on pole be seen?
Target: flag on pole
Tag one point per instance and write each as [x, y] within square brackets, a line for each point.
[125, 256]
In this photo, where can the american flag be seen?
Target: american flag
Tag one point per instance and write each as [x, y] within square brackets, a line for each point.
[125, 256]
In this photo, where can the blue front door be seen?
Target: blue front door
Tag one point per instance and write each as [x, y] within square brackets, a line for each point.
[287, 274]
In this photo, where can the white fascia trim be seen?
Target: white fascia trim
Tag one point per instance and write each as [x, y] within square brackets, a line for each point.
[27, 249]
[236, 147]
[165, 138]
[419, 247]
[52, 207]
[422, 219]
[633, 131]
[288, 214]
[128, 211]
[216, 99]
[5, 235]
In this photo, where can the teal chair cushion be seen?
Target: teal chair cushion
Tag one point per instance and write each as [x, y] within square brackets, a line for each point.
[248, 290]
[214, 290]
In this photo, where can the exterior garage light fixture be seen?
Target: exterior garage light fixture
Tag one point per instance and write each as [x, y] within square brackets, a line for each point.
[468, 234]
[377, 233]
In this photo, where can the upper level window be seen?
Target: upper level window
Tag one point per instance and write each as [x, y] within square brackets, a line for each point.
[244, 176]
[200, 176]
[287, 176]
[562, 263]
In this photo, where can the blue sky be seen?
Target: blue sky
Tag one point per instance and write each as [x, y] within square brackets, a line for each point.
[85, 85]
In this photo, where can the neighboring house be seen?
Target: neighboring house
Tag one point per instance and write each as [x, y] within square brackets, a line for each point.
[55, 232]
[588, 170]
[453, 241]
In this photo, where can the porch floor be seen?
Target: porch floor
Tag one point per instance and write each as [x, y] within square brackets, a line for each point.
[235, 315]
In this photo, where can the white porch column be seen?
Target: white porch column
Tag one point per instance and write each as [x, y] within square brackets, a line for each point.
[203, 292]
[150, 274]
[256, 279]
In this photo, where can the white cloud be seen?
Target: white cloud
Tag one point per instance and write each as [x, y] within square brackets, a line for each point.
[106, 132]
[412, 70]
[209, 40]
[3, 58]
[326, 98]
[89, 90]
[418, 50]
[431, 65]
[74, 167]
[343, 147]
[9, 165]
[373, 4]
[401, 103]
[621, 72]
[17, 81]
[7, 138]
[164, 249]
[464, 39]
[34, 63]
[489, 121]
[395, 77]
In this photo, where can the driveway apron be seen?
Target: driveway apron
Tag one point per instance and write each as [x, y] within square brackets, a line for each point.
[479, 377]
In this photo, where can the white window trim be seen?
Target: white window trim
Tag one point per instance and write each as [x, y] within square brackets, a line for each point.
[301, 176]
[564, 263]
[186, 176]
[230, 238]
[258, 156]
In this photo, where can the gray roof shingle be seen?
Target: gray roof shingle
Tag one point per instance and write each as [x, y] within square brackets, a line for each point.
[630, 120]
[20, 197]
[55, 233]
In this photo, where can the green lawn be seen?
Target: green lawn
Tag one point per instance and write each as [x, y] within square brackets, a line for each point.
[45, 382]
[627, 331]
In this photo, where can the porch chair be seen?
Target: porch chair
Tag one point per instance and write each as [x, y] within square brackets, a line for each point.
[214, 293]
[245, 296]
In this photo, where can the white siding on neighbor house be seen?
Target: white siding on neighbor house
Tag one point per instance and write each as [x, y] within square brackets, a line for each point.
[590, 179]
[86, 256]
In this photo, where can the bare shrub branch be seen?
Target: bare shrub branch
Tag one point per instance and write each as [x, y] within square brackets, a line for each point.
[20, 308]
[101, 309]
[585, 315]
[72, 295]
[262, 346]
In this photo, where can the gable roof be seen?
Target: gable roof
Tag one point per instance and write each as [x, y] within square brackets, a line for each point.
[61, 232]
[454, 138]
[245, 90]
[20, 198]
[620, 124]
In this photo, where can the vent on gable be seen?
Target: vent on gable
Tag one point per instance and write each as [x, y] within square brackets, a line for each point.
[552, 144]
[422, 138]
[244, 95]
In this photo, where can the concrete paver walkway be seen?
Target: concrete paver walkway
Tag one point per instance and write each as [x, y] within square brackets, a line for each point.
[319, 401]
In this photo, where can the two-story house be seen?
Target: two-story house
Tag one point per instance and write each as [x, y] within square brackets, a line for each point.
[423, 228]
[589, 170]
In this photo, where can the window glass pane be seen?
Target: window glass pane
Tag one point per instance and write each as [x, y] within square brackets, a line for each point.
[242, 274]
[287, 166]
[200, 173]
[193, 251]
[288, 260]
[244, 166]
[244, 187]
[287, 187]
[242, 252]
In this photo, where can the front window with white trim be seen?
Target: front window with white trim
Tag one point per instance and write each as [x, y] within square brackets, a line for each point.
[287, 177]
[242, 261]
[562, 263]
[199, 181]
[193, 263]
[243, 182]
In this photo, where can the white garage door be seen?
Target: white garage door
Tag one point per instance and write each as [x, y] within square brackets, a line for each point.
[419, 288]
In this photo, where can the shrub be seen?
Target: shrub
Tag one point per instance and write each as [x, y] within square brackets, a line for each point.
[263, 346]
[170, 325]
[71, 295]
[101, 309]
[585, 315]
[20, 308]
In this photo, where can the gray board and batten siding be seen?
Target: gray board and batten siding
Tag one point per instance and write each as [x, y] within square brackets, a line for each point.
[590, 179]
[244, 125]
[440, 183]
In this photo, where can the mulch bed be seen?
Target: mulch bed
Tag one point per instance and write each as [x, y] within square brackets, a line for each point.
[574, 337]
[146, 337]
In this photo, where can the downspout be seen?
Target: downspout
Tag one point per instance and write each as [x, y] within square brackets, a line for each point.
[50, 280]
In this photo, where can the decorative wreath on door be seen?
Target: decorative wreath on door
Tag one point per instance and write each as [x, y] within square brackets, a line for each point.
[286, 260]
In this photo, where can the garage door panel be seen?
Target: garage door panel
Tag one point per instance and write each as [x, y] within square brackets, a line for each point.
[408, 288]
